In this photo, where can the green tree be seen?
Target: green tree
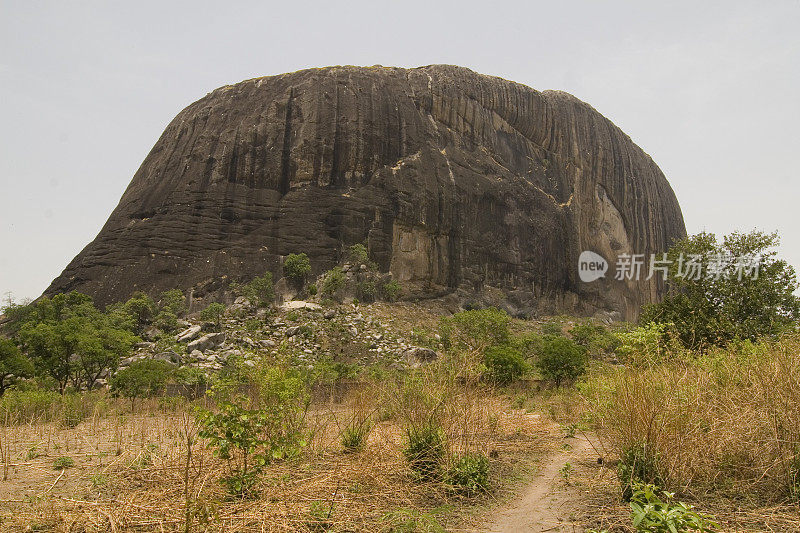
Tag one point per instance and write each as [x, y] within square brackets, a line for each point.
[141, 309]
[142, 379]
[13, 365]
[172, 301]
[560, 360]
[213, 313]
[69, 339]
[296, 267]
[259, 291]
[741, 290]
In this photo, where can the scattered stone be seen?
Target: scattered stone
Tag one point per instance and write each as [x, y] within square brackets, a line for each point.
[210, 340]
[168, 357]
[267, 343]
[189, 334]
[144, 345]
[417, 356]
[329, 314]
[196, 354]
[300, 304]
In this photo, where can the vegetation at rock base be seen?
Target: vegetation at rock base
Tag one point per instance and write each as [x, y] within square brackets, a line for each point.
[296, 268]
[330, 414]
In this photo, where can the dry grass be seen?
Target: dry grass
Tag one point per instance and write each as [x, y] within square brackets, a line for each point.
[133, 472]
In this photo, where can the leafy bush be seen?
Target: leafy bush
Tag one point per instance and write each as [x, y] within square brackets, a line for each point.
[312, 289]
[469, 474]
[166, 321]
[475, 330]
[142, 310]
[213, 313]
[653, 515]
[504, 364]
[391, 290]
[296, 267]
[359, 254]
[646, 345]
[725, 301]
[560, 360]
[142, 379]
[332, 282]
[235, 432]
[595, 339]
[425, 450]
[172, 301]
[259, 291]
[366, 291]
[252, 432]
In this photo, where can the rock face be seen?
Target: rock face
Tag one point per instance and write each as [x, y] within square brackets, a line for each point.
[454, 180]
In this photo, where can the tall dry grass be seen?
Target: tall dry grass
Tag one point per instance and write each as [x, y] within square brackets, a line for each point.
[727, 421]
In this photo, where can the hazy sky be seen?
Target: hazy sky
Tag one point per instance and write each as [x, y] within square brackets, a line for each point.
[711, 90]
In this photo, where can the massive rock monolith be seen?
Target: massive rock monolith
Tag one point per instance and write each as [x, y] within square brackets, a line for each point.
[456, 181]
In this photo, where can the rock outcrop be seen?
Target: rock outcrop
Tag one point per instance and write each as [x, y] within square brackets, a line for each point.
[454, 180]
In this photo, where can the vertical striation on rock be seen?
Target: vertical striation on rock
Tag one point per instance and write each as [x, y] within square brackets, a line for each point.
[454, 180]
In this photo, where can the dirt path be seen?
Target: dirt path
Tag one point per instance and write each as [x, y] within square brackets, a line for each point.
[548, 503]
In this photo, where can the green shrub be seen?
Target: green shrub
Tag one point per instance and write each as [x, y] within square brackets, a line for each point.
[366, 291]
[646, 345]
[213, 313]
[74, 409]
[355, 434]
[296, 267]
[359, 254]
[332, 282]
[248, 432]
[259, 291]
[172, 301]
[560, 360]
[166, 321]
[475, 330]
[190, 376]
[651, 514]
[142, 309]
[552, 328]
[391, 290]
[504, 364]
[312, 289]
[425, 450]
[142, 379]
[469, 475]
[62, 463]
[236, 434]
[594, 338]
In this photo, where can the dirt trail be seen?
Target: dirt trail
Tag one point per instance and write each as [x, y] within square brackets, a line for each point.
[548, 502]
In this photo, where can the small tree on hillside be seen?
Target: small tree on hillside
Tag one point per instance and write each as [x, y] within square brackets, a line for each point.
[296, 268]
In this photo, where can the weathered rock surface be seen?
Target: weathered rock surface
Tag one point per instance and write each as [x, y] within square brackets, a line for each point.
[454, 180]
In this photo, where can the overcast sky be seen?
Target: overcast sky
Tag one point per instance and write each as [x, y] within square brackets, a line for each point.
[711, 90]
